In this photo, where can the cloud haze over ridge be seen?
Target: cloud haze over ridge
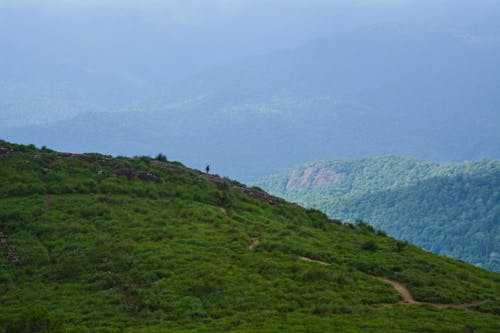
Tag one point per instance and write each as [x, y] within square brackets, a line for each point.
[71, 59]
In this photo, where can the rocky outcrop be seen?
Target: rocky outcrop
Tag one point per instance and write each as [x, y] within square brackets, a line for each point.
[131, 173]
[313, 176]
[5, 150]
[253, 192]
[9, 251]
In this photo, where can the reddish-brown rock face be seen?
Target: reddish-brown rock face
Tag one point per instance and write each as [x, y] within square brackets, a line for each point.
[314, 176]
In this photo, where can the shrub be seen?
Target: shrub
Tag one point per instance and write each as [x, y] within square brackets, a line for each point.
[32, 319]
[400, 246]
[316, 274]
[369, 246]
[209, 285]
[161, 157]
[363, 226]
[189, 307]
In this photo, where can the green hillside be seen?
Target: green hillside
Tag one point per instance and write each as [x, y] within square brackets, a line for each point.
[91, 243]
[449, 209]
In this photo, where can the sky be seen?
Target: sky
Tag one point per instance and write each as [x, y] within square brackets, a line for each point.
[135, 33]
[150, 43]
[61, 59]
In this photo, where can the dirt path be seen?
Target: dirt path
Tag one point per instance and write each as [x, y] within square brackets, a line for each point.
[401, 289]
[408, 298]
[406, 294]
[254, 243]
[315, 261]
[48, 202]
[48, 197]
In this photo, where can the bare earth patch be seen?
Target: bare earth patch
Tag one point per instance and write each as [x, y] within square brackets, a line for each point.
[254, 243]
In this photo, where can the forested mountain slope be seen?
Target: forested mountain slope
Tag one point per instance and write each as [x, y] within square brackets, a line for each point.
[449, 209]
[91, 243]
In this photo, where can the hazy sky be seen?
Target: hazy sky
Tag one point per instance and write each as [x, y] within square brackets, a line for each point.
[182, 37]
[137, 32]
[68, 57]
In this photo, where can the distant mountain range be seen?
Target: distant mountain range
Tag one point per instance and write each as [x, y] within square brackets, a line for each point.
[387, 89]
[449, 209]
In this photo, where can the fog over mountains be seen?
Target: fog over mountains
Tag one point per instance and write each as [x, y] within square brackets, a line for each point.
[256, 91]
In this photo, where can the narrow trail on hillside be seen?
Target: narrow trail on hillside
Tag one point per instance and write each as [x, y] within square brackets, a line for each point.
[316, 261]
[48, 202]
[408, 298]
[48, 197]
[406, 294]
[401, 289]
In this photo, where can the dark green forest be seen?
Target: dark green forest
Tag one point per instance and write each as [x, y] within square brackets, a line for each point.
[92, 243]
[449, 209]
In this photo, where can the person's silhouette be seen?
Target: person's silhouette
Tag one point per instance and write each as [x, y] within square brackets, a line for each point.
[207, 168]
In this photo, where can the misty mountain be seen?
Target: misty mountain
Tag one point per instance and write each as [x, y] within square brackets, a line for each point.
[361, 93]
[59, 59]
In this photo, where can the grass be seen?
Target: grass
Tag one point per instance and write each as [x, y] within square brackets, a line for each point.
[137, 245]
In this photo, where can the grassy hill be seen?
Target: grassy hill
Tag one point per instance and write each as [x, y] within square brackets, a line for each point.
[91, 243]
[449, 209]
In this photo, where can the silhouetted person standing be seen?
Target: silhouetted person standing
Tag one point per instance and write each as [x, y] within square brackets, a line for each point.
[207, 168]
